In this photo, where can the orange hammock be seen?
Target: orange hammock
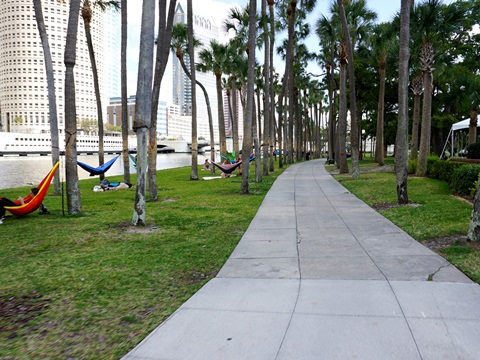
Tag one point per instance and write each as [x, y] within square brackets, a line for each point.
[33, 203]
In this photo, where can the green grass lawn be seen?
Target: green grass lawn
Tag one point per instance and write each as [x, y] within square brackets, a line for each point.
[433, 214]
[92, 286]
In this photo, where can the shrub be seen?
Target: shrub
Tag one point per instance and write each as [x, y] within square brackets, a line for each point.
[443, 170]
[412, 166]
[473, 151]
[431, 161]
[464, 178]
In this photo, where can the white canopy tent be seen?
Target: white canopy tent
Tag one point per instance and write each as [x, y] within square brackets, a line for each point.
[450, 143]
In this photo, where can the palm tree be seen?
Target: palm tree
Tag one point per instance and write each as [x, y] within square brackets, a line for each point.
[87, 18]
[179, 45]
[417, 89]
[380, 41]
[267, 153]
[327, 34]
[353, 99]
[401, 144]
[74, 201]
[237, 21]
[123, 75]
[163, 52]
[270, 84]
[52, 101]
[215, 60]
[342, 115]
[143, 107]
[191, 53]
[435, 23]
[247, 126]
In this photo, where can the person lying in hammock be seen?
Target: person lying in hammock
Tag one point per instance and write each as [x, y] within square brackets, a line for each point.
[106, 185]
[19, 202]
[117, 186]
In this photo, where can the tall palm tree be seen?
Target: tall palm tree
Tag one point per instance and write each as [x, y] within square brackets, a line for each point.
[417, 89]
[342, 115]
[401, 143]
[327, 35]
[353, 95]
[123, 80]
[143, 107]
[267, 153]
[52, 101]
[74, 200]
[191, 53]
[380, 45]
[214, 59]
[179, 45]
[237, 22]
[165, 23]
[87, 19]
[247, 126]
[270, 82]
[435, 23]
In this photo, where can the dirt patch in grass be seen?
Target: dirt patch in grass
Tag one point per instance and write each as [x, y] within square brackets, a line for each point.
[392, 205]
[440, 243]
[16, 313]
[128, 227]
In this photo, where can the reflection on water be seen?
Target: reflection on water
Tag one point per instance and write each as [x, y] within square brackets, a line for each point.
[17, 171]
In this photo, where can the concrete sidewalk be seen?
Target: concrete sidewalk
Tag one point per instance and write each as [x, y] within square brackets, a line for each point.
[320, 275]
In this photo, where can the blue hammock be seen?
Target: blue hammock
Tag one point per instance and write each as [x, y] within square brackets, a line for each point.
[97, 170]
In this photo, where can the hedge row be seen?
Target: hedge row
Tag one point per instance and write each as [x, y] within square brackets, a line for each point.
[462, 177]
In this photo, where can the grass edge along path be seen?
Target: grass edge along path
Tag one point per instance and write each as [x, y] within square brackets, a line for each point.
[92, 286]
[434, 216]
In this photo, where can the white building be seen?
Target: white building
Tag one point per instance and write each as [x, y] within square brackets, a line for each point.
[205, 30]
[23, 83]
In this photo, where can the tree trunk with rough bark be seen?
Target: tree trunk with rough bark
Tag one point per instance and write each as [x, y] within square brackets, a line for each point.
[74, 200]
[52, 100]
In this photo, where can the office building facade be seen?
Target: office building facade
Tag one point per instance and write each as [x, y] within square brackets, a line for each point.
[23, 84]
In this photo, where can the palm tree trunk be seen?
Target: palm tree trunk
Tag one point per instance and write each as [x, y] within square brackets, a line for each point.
[401, 143]
[123, 76]
[236, 145]
[209, 111]
[74, 201]
[87, 18]
[472, 129]
[416, 120]
[249, 113]
[379, 154]
[191, 53]
[165, 26]
[426, 126]
[342, 118]
[52, 100]
[353, 99]
[272, 90]
[221, 119]
[143, 108]
[426, 57]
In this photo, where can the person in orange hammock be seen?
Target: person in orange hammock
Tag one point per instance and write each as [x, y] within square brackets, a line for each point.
[19, 202]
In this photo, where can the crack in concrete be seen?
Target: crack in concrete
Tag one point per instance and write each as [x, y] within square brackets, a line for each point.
[430, 276]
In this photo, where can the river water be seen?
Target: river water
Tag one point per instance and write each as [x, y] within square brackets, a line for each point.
[17, 171]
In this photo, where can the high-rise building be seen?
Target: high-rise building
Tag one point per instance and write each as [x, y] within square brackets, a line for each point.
[23, 84]
[113, 43]
[114, 114]
[204, 30]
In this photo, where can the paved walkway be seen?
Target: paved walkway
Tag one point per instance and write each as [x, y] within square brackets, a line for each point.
[320, 275]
